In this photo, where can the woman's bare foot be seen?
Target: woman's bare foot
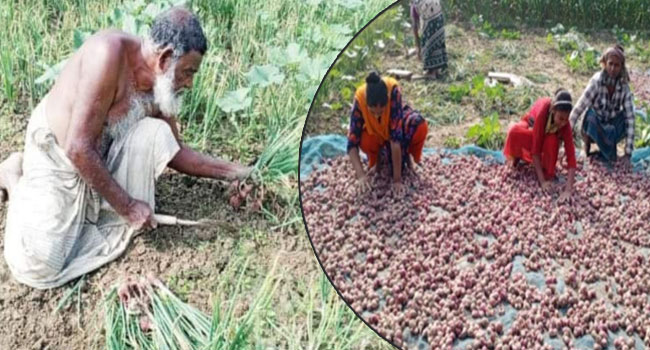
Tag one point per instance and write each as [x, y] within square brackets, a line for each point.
[431, 73]
[11, 169]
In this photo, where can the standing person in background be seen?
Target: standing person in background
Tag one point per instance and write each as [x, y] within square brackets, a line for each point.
[610, 108]
[429, 32]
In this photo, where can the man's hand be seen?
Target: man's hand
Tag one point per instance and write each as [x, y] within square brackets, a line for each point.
[546, 187]
[244, 172]
[191, 162]
[140, 215]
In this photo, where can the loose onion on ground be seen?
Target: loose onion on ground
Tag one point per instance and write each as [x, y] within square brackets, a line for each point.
[445, 261]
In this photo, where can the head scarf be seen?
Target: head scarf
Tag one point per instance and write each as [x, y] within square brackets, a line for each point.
[561, 101]
[617, 51]
[379, 128]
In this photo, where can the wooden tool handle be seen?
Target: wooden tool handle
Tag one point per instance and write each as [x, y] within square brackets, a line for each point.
[162, 219]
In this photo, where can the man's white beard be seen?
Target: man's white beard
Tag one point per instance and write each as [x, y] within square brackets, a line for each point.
[164, 95]
[136, 112]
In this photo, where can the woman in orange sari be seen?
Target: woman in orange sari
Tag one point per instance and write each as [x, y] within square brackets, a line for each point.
[380, 125]
[536, 138]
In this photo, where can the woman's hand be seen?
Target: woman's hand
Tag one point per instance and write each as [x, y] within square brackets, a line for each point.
[566, 194]
[546, 187]
[363, 184]
[398, 188]
[568, 189]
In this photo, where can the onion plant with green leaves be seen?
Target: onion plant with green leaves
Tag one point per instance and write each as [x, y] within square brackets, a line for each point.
[161, 320]
[322, 321]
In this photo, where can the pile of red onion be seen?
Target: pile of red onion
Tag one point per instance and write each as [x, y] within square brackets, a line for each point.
[243, 193]
[436, 264]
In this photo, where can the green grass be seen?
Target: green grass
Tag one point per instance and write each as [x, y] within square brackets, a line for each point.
[320, 321]
[316, 319]
[509, 50]
[596, 14]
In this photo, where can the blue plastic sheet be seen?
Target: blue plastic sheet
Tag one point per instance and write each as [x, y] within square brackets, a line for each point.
[315, 150]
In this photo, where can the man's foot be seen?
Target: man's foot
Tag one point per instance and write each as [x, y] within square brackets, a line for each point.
[11, 169]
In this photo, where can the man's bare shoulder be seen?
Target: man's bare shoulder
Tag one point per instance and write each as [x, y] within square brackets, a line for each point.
[105, 47]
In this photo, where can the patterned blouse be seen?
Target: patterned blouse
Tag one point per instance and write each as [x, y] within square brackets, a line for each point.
[404, 122]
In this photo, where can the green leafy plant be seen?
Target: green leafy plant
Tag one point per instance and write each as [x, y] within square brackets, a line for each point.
[486, 29]
[622, 36]
[452, 142]
[583, 62]
[483, 27]
[486, 97]
[458, 91]
[510, 34]
[579, 56]
[487, 133]
[265, 75]
[234, 101]
[633, 43]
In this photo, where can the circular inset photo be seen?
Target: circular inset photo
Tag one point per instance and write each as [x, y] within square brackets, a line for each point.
[473, 180]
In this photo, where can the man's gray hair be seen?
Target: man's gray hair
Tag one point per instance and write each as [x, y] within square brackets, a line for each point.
[180, 29]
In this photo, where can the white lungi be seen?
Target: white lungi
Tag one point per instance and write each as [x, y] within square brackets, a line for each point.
[57, 227]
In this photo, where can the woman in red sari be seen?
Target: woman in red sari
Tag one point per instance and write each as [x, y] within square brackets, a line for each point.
[537, 137]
